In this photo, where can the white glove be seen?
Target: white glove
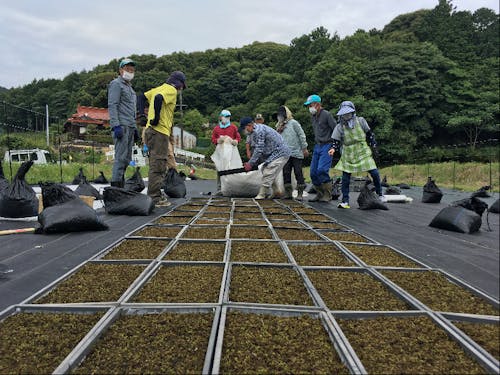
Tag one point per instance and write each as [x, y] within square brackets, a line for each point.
[234, 142]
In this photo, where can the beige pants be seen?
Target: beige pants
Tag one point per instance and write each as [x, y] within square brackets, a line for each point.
[171, 163]
[271, 171]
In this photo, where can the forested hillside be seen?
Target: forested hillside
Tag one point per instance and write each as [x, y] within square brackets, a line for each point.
[427, 78]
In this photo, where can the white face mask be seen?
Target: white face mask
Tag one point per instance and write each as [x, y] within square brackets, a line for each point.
[127, 76]
[313, 110]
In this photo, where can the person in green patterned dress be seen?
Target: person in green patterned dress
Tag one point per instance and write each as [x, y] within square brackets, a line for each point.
[355, 140]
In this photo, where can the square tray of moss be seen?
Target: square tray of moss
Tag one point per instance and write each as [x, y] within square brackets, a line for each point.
[316, 217]
[94, 282]
[406, 345]
[345, 236]
[218, 209]
[257, 252]
[281, 217]
[297, 234]
[306, 211]
[216, 215]
[245, 231]
[484, 332]
[287, 224]
[176, 212]
[152, 341]
[173, 220]
[319, 254]
[247, 215]
[215, 221]
[326, 225]
[197, 251]
[136, 249]
[205, 232]
[254, 209]
[441, 293]
[181, 283]
[354, 289]
[276, 211]
[275, 342]
[261, 222]
[167, 231]
[267, 284]
[36, 342]
[382, 256]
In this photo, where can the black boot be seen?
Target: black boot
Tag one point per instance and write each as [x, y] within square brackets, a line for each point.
[119, 184]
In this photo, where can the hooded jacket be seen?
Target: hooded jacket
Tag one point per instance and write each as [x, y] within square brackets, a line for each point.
[292, 134]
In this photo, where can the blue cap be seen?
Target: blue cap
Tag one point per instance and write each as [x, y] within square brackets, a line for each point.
[346, 107]
[127, 62]
[225, 113]
[312, 99]
[244, 122]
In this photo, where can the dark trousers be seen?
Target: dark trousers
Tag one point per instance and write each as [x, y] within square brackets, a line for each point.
[158, 144]
[346, 180]
[296, 165]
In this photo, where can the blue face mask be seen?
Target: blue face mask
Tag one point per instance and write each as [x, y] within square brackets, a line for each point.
[224, 122]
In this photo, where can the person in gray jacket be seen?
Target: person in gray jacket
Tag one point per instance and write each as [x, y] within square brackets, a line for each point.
[122, 118]
[294, 136]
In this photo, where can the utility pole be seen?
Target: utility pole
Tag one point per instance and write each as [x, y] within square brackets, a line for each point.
[181, 108]
[47, 121]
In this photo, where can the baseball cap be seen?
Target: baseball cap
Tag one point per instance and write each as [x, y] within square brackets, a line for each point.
[244, 122]
[225, 113]
[312, 99]
[177, 76]
[346, 107]
[127, 61]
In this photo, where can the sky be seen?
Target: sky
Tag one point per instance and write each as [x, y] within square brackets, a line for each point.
[52, 38]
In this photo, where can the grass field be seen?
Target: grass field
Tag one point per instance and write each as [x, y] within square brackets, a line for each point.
[459, 176]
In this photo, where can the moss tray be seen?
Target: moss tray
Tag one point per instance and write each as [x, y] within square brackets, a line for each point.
[206, 232]
[297, 234]
[137, 249]
[250, 232]
[319, 255]
[158, 231]
[197, 251]
[345, 236]
[258, 252]
[381, 256]
[486, 335]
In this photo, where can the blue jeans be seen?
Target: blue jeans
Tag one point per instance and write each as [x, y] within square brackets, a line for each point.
[346, 179]
[320, 164]
[123, 153]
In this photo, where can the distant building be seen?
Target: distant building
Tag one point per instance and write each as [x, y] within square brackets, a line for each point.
[189, 138]
[84, 116]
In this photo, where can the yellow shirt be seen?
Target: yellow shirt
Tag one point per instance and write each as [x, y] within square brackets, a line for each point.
[169, 94]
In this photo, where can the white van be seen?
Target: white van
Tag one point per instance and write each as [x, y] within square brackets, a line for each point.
[37, 155]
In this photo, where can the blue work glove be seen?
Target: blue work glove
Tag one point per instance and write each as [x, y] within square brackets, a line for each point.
[145, 150]
[136, 135]
[118, 131]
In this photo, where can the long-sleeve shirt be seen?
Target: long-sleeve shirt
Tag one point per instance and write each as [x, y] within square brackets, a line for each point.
[295, 138]
[323, 124]
[121, 103]
[269, 145]
[230, 131]
[168, 95]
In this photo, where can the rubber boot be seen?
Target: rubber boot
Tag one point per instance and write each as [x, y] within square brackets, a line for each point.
[288, 191]
[300, 191]
[262, 193]
[119, 184]
[327, 192]
[319, 193]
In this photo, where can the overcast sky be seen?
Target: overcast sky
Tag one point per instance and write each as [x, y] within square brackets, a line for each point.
[52, 38]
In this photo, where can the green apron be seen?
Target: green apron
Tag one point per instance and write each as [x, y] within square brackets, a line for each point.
[356, 154]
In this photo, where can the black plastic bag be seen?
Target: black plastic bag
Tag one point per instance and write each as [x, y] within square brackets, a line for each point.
[174, 185]
[392, 190]
[118, 201]
[54, 194]
[135, 183]
[369, 200]
[457, 219]
[79, 178]
[19, 199]
[336, 189]
[482, 192]
[431, 193]
[85, 188]
[403, 186]
[472, 203]
[4, 183]
[495, 207]
[73, 215]
[101, 179]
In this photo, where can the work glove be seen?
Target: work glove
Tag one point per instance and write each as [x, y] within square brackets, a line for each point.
[145, 150]
[136, 135]
[220, 140]
[118, 131]
[154, 121]
[143, 120]
[234, 142]
[248, 167]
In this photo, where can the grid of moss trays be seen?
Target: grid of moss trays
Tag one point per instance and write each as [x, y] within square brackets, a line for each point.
[282, 286]
[137, 249]
[94, 283]
[410, 345]
[257, 252]
[35, 343]
[486, 335]
[287, 224]
[164, 343]
[297, 234]
[381, 256]
[206, 232]
[197, 251]
[326, 225]
[345, 236]
[174, 220]
[266, 344]
[319, 255]
[183, 284]
[250, 232]
[346, 290]
[437, 292]
[158, 231]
